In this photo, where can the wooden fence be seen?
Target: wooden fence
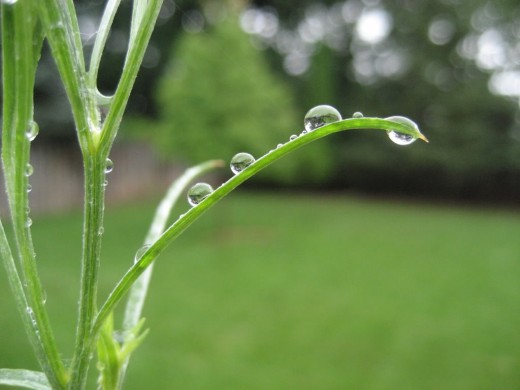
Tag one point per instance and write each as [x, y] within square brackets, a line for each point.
[57, 181]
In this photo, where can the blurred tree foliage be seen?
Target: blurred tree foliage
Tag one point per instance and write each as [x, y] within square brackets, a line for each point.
[433, 61]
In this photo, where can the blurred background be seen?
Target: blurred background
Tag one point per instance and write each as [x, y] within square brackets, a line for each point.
[354, 263]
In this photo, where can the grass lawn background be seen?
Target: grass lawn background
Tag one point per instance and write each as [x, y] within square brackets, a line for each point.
[309, 292]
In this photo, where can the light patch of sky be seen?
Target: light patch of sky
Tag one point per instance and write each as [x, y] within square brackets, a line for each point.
[374, 25]
[440, 31]
[505, 83]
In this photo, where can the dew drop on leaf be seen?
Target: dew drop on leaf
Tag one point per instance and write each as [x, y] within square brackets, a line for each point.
[241, 161]
[28, 222]
[279, 146]
[320, 116]
[402, 138]
[29, 188]
[140, 252]
[293, 137]
[8, 2]
[109, 166]
[198, 193]
[32, 131]
[29, 170]
[357, 115]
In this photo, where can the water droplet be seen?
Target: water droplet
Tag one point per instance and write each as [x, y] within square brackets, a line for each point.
[29, 170]
[101, 230]
[279, 146]
[105, 183]
[357, 115]
[28, 222]
[401, 138]
[29, 188]
[198, 193]
[241, 161]
[32, 131]
[140, 252]
[320, 116]
[304, 132]
[44, 297]
[293, 137]
[8, 2]
[109, 166]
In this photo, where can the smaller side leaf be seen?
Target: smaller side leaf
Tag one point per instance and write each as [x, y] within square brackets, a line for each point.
[24, 378]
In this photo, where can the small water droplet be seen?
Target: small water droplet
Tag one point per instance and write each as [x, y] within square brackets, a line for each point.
[105, 183]
[357, 115]
[44, 297]
[32, 131]
[279, 146]
[320, 116]
[28, 222]
[293, 137]
[401, 138]
[304, 132]
[140, 252]
[29, 188]
[198, 193]
[241, 161]
[29, 170]
[109, 166]
[101, 230]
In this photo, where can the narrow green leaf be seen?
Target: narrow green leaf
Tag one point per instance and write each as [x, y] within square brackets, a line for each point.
[194, 213]
[24, 378]
[132, 320]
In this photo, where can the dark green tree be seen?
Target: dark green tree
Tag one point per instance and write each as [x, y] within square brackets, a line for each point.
[220, 92]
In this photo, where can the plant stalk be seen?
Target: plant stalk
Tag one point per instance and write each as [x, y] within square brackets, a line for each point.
[92, 234]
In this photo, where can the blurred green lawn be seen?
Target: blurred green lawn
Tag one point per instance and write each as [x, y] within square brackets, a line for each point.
[306, 292]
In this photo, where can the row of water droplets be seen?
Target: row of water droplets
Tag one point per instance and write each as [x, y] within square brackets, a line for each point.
[316, 117]
[30, 134]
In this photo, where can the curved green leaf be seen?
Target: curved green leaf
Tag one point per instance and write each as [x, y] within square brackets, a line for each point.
[195, 212]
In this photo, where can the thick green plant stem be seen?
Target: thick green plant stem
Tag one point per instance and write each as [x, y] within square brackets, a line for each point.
[194, 213]
[92, 234]
[21, 45]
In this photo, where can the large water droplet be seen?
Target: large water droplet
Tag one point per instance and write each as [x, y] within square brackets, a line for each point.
[109, 166]
[320, 116]
[29, 170]
[140, 252]
[8, 2]
[32, 131]
[198, 193]
[357, 115]
[241, 161]
[402, 138]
